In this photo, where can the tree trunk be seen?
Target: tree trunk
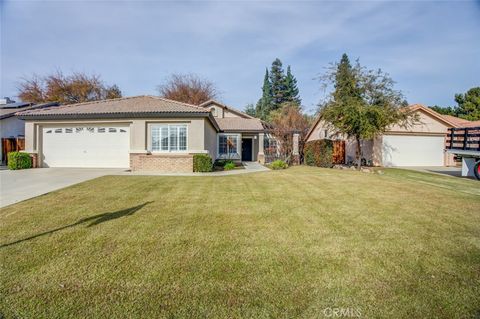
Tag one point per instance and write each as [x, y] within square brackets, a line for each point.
[359, 153]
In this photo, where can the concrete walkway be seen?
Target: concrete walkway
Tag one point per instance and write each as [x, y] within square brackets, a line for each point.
[250, 167]
[16, 186]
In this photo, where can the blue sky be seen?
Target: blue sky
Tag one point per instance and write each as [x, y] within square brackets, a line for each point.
[431, 49]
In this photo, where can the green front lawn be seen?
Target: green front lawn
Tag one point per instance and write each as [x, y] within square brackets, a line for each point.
[293, 243]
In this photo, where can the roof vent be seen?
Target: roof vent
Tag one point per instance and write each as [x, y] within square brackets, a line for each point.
[6, 100]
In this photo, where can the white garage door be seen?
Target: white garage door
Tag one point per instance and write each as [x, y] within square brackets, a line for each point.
[86, 146]
[403, 150]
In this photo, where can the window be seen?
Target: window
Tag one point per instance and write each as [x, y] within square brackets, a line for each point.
[214, 111]
[90, 129]
[58, 130]
[112, 130]
[78, 129]
[326, 133]
[49, 131]
[101, 130]
[123, 130]
[168, 138]
[228, 145]
[69, 130]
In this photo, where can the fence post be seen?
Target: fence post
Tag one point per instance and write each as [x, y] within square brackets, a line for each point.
[295, 153]
[465, 138]
[261, 154]
[452, 130]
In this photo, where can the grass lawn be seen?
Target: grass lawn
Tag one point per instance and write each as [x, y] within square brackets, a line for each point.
[293, 243]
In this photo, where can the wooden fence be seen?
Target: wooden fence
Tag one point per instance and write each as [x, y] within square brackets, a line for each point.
[11, 144]
[338, 152]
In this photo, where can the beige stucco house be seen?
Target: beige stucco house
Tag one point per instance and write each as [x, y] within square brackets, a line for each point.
[422, 144]
[140, 133]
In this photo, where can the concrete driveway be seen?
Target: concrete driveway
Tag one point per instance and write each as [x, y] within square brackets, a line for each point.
[443, 170]
[16, 186]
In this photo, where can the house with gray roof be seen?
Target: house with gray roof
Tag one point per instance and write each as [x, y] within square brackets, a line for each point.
[140, 133]
[11, 127]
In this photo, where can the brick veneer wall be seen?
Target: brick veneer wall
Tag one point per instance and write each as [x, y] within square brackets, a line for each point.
[179, 163]
[34, 157]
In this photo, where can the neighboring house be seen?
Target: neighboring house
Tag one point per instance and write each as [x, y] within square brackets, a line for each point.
[141, 133]
[423, 144]
[10, 125]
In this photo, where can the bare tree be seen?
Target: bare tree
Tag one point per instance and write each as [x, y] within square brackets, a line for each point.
[286, 121]
[188, 88]
[57, 87]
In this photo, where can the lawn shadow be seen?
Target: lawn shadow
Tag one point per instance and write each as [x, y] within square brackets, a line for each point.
[90, 221]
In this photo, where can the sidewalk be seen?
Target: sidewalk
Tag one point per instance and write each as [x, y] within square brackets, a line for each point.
[250, 167]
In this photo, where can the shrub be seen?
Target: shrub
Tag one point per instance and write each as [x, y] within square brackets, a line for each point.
[278, 164]
[222, 162]
[319, 153]
[229, 166]
[19, 160]
[309, 157]
[202, 163]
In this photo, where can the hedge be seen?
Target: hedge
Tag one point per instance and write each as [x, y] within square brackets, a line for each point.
[19, 160]
[202, 163]
[319, 153]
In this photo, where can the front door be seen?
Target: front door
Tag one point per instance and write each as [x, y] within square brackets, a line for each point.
[247, 149]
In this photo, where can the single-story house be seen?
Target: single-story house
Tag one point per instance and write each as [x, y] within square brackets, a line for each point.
[11, 126]
[140, 133]
[422, 144]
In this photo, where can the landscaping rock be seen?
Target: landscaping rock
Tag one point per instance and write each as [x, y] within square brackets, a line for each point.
[366, 170]
[380, 172]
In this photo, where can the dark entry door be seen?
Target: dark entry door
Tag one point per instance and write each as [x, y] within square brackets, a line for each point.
[247, 149]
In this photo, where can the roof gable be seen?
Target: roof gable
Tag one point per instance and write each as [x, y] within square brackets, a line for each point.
[415, 107]
[431, 113]
[225, 107]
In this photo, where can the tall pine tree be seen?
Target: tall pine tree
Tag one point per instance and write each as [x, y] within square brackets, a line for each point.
[346, 83]
[277, 80]
[264, 105]
[291, 89]
[277, 89]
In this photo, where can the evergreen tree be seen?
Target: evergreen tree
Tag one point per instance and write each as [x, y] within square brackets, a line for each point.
[265, 103]
[250, 110]
[469, 104]
[277, 80]
[292, 93]
[346, 83]
[447, 110]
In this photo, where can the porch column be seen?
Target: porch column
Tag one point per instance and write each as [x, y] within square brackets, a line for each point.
[261, 155]
[295, 153]
[32, 134]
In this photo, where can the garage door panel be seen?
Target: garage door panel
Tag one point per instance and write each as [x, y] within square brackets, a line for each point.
[86, 146]
[408, 150]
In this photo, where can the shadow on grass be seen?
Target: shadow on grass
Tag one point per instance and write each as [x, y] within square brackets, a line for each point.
[90, 221]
